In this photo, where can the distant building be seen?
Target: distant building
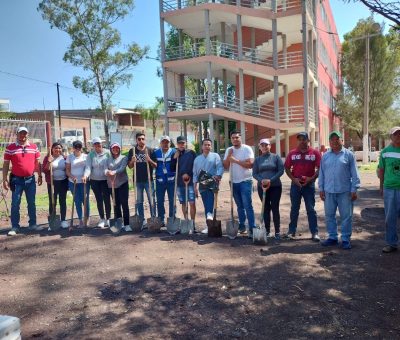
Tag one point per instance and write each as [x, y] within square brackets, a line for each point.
[5, 105]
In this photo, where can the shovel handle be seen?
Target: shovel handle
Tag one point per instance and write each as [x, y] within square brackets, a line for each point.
[73, 207]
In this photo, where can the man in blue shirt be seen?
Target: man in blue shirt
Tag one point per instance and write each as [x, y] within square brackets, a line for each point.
[338, 183]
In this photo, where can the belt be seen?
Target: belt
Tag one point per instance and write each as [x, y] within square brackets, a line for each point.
[24, 178]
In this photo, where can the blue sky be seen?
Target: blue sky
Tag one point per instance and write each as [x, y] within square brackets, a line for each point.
[29, 48]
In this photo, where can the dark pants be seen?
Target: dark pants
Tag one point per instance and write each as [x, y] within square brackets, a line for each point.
[272, 199]
[60, 190]
[102, 194]
[121, 200]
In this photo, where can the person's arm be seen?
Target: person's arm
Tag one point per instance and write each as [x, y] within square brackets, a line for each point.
[256, 171]
[321, 179]
[195, 178]
[280, 169]
[219, 167]
[152, 159]
[355, 178]
[131, 159]
[68, 168]
[6, 167]
[38, 168]
[121, 166]
[381, 172]
[227, 157]
[88, 166]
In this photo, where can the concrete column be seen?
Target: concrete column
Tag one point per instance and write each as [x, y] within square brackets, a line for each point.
[239, 36]
[284, 50]
[276, 82]
[287, 145]
[210, 104]
[207, 31]
[165, 86]
[241, 101]
[226, 133]
[217, 135]
[256, 138]
[312, 138]
[200, 133]
[185, 128]
[224, 85]
[286, 102]
[180, 37]
[305, 66]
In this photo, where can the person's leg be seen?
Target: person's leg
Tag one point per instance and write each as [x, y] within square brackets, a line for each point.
[30, 194]
[105, 192]
[391, 202]
[330, 206]
[16, 202]
[117, 206]
[87, 199]
[237, 196]
[140, 187]
[246, 192]
[161, 188]
[171, 203]
[345, 206]
[192, 202]
[207, 196]
[180, 192]
[50, 197]
[275, 194]
[124, 198]
[266, 215]
[62, 188]
[295, 200]
[97, 190]
[152, 205]
[309, 201]
[78, 199]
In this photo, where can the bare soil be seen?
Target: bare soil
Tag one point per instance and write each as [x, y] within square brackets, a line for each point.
[92, 285]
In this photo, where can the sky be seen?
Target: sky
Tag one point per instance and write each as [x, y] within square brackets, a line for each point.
[31, 56]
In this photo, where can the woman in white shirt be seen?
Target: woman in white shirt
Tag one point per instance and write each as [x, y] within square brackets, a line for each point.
[75, 170]
[60, 182]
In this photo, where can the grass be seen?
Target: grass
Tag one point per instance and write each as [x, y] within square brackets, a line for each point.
[368, 168]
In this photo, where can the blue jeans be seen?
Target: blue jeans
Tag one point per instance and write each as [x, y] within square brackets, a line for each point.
[21, 185]
[207, 196]
[344, 203]
[391, 199]
[181, 192]
[308, 194]
[79, 198]
[242, 194]
[161, 188]
[140, 188]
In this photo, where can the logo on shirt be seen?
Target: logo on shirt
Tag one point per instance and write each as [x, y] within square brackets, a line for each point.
[310, 157]
[141, 158]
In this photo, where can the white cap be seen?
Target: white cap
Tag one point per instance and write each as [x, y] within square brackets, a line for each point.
[96, 140]
[165, 138]
[115, 144]
[394, 130]
[264, 141]
[22, 128]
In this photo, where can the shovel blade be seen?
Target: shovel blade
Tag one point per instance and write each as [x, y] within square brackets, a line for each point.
[214, 228]
[115, 225]
[232, 228]
[136, 223]
[54, 222]
[187, 227]
[154, 225]
[260, 235]
[173, 225]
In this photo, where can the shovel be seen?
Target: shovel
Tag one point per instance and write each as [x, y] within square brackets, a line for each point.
[85, 216]
[153, 223]
[260, 233]
[115, 223]
[135, 221]
[174, 223]
[214, 225]
[232, 226]
[71, 226]
[187, 225]
[54, 220]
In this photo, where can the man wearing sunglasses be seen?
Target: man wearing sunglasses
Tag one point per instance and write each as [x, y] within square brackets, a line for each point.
[25, 160]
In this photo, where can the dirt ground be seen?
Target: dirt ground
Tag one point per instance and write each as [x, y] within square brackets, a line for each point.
[92, 285]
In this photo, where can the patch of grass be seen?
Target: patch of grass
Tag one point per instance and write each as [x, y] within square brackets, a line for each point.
[371, 167]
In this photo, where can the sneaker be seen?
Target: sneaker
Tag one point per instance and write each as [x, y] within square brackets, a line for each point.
[242, 229]
[205, 231]
[64, 224]
[269, 235]
[277, 236]
[290, 236]
[35, 227]
[127, 228]
[389, 249]
[209, 216]
[106, 223]
[80, 224]
[315, 238]
[13, 232]
[250, 234]
[346, 245]
[101, 224]
[329, 242]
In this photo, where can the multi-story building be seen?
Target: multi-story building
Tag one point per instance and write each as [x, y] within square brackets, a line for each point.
[269, 65]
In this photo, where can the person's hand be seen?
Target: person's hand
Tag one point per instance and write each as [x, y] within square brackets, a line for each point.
[307, 181]
[133, 161]
[148, 158]
[6, 185]
[39, 180]
[50, 158]
[322, 195]
[217, 178]
[84, 179]
[381, 191]
[186, 178]
[266, 182]
[296, 181]
[353, 196]
[177, 154]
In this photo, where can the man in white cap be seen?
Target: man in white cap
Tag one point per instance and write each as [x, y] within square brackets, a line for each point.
[389, 177]
[25, 160]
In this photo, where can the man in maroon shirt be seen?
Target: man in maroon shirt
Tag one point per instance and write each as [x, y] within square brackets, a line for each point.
[302, 166]
[25, 160]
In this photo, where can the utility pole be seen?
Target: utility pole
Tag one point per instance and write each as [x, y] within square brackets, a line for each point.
[59, 110]
[366, 104]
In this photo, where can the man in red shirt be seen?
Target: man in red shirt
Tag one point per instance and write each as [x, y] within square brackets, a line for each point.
[25, 160]
[302, 167]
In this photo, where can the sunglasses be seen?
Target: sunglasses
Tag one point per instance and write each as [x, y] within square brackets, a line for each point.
[78, 147]
[140, 138]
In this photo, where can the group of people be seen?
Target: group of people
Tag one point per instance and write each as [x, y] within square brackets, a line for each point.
[104, 172]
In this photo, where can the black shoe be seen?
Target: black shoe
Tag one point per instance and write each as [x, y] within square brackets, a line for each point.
[389, 249]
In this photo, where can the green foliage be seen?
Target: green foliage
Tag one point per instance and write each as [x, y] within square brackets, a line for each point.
[95, 44]
[7, 115]
[152, 114]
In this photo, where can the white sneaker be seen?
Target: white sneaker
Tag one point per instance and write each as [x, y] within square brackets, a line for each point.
[106, 223]
[127, 228]
[205, 230]
[210, 216]
[64, 224]
[101, 224]
[13, 232]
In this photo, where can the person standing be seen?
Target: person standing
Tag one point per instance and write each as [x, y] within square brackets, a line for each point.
[96, 165]
[267, 170]
[117, 177]
[338, 183]
[241, 158]
[185, 176]
[142, 157]
[389, 178]
[165, 177]
[302, 167]
[56, 161]
[25, 160]
[75, 170]
[207, 173]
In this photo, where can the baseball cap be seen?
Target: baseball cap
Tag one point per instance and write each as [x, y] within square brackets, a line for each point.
[165, 138]
[264, 141]
[335, 133]
[181, 139]
[115, 144]
[394, 130]
[22, 128]
[302, 134]
[77, 143]
[96, 140]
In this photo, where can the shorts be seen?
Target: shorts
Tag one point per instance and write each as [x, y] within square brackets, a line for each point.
[181, 192]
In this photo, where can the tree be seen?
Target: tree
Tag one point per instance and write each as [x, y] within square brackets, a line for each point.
[384, 78]
[152, 114]
[388, 9]
[95, 45]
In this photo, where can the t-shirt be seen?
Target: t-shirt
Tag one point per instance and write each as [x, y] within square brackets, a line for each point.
[23, 158]
[78, 165]
[58, 169]
[390, 162]
[303, 163]
[141, 166]
[239, 173]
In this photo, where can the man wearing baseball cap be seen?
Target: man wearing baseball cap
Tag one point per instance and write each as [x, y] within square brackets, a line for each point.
[389, 177]
[302, 167]
[25, 159]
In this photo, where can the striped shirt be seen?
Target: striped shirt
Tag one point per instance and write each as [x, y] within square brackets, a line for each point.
[23, 158]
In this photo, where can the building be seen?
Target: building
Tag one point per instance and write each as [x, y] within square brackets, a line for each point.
[5, 105]
[271, 66]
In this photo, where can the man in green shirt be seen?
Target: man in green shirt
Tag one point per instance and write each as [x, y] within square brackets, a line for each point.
[389, 176]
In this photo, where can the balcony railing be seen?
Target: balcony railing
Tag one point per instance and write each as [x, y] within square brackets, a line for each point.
[281, 5]
[229, 51]
[293, 114]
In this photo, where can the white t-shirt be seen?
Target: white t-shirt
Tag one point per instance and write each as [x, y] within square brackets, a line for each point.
[78, 165]
[240, 174]
[58, 165]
